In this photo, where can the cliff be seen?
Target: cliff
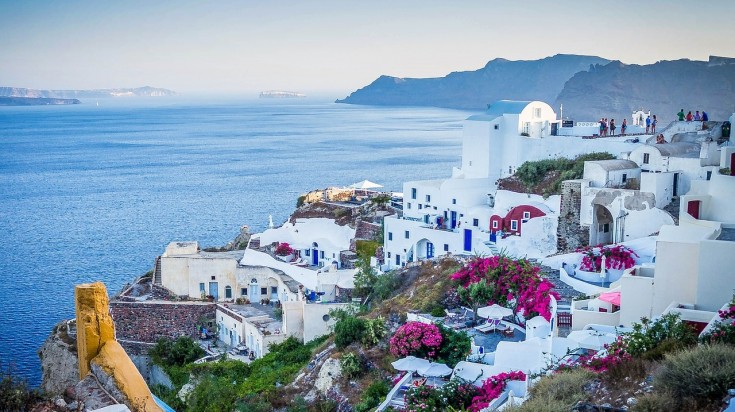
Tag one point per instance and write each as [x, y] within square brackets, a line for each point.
[500, 79]
[59, 359]
[35, 101]
[146, 91]
[615, 90]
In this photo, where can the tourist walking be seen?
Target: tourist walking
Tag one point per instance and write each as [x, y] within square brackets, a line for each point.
[653, 124]
[648, 124]
[623, 127]
[612, 127]
[681, 115]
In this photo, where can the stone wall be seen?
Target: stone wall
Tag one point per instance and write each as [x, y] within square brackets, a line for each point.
[570, 235]
[367, 230]
[149, 321]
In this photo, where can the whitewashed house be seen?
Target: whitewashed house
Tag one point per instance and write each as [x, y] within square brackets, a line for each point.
[249, 326]
[452, 215]
[318, 241]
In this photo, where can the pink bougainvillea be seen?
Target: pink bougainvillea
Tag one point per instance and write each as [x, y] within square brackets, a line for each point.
[518, 284]
[284, 249]
[416, 338]
[616, 257]
[493, 387]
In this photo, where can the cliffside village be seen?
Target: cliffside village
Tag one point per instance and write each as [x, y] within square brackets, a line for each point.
[668, 199]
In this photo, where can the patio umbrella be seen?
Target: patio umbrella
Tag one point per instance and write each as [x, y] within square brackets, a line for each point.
[611, 297]
[365, 184]
[494, 311]
[435, 369]
[591, 339]
[410, 363]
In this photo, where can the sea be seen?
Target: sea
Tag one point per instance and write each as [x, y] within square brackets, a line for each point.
[94, 192]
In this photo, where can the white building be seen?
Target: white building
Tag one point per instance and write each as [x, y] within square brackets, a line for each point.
[249, 326]
[318, 241]
[452, 215]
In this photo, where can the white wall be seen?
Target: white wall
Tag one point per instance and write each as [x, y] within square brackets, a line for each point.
[676, 274]
[716, 269]
[660, 184]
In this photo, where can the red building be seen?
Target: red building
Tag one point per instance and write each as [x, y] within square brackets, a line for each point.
[512, 223]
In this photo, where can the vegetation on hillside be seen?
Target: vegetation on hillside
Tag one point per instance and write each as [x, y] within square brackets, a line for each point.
[544, 177]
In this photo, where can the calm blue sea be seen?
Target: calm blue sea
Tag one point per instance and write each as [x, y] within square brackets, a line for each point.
[93, 192]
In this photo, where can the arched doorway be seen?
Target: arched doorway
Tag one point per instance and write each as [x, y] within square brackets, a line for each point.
[424, 249]
[603, 226]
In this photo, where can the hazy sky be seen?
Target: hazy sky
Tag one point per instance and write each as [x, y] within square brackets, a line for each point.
[332, 47]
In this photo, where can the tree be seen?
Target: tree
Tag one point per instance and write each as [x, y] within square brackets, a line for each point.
[380, 200]
[476, 295]
[365, 279]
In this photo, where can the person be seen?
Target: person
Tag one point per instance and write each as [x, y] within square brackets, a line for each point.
[623, 127]
[602, 126]
[696, 116]
[681, 115]
[705, 118]
[604, 123]
[648, 124]
[612, 127]
[653, 124]
[689, 116]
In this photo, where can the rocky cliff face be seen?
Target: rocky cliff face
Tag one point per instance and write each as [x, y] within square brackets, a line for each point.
[59, 359]
[500, 79]
[615, 90]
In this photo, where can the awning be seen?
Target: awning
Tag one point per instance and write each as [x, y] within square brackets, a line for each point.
[611, 297]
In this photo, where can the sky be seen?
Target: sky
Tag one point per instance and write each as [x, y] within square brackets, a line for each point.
[332, 47]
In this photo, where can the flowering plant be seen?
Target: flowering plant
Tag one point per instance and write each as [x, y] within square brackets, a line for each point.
[456, 394]
[615, 354]
[284, 249]
[616, 257]
[416, 338]
[493, 387]
[724, 329]
[517, 284]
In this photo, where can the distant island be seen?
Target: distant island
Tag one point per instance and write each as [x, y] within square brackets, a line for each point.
[34, 101]
[278, 94]
[146, 91]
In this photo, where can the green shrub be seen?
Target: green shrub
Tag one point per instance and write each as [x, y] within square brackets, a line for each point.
[348, 330]
[655, 402]
[703, 373]
[455, 346]
[557, 393]
[253, 403]
[168, 352]
[438, 311]
[664, 334]
[15, 394]
[351, 364]
[386, 285]
[373, 396]
[533, 173]
[300, 201]
[374, 331]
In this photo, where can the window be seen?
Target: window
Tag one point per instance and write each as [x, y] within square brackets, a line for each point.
[513, 225]
[398, 260]
[497, 126]
[446, 247]
[495, 224]
[526, 215]
[389, 256]
[228, 292]
[625, 177]
[274, 290]
[408, 235]
[470, 162]
[201, 287]
[413, 193]
[408, 206]
[243, 291]
[307, 252]
[428, 198]
[321, 254]
[263, 291]
[213, 277]
[537, 112]
[526, 127]
[646, 157]
[606, 227]
[709, 174]
[421, 206]
[454, 201]
[390, 235]
[475, 222]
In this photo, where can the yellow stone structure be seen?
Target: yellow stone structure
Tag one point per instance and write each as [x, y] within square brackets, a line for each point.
[96, 345]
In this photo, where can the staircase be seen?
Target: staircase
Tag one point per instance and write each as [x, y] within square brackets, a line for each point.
[673, 209]
[493, 247]
[157, 271]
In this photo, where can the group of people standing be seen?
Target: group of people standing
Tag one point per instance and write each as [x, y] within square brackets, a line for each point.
[651, 124]
[608, 128]
[696, 117]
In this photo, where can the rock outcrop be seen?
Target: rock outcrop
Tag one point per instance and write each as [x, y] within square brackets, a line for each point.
[58, 355]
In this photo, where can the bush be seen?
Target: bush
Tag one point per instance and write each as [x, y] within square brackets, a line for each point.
[455, 346]
[703, 374]
[438, 311]
[351, 364]
[180, 352]
[374, 331]
[348, 330]
[300, 201]
[558, 392]
[416, 338]
[649, 334]
[655, 402]
[284, 249]
[15, 394]
[385, 285]
[533, 173]
[373, 396]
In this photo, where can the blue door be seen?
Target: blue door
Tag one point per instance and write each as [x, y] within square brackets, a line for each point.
[314, 257]
[493, 237]
[213, 289]
[468, 240]
[429, 250]
[454, 219]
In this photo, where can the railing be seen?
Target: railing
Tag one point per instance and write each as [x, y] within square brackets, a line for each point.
[386, 403]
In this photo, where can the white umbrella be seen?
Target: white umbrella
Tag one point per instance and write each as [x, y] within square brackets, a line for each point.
[365, 184]
[494, 311]
[410, 363]
[591, 339]
[435, 369]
